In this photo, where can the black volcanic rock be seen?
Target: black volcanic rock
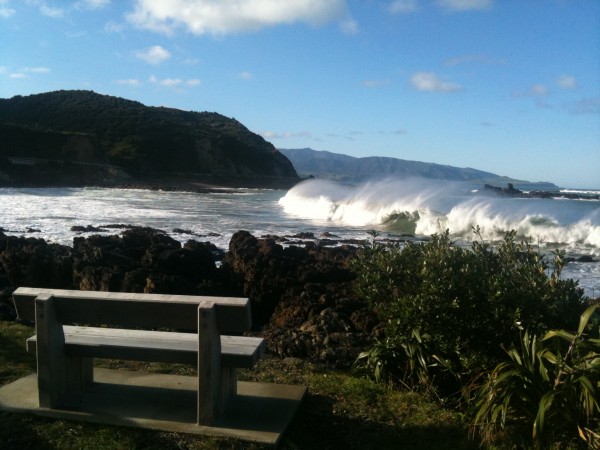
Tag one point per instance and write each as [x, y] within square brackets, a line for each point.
[34, 262]
[79, 138]
[303, 298]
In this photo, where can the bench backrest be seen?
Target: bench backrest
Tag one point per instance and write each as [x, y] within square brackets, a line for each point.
[130, 310]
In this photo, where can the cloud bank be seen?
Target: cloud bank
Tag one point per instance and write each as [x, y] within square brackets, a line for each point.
[232, 16]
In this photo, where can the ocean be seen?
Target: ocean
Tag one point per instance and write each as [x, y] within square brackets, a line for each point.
[395, 209]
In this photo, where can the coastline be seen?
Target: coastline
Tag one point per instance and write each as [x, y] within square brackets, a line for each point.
[180, 184]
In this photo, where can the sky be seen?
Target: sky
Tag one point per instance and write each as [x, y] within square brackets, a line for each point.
[507, 86]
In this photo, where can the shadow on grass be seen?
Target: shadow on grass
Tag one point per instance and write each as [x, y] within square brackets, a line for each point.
[17, 431]
[15, 362]
[24, 431]
[318, 426]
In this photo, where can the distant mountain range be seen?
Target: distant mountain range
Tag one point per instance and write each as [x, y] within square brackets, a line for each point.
[81, 138]
[347, 169]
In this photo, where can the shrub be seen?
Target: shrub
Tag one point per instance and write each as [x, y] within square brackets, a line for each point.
[465, 305]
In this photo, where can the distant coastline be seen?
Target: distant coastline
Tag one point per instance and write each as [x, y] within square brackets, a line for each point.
[511, 191]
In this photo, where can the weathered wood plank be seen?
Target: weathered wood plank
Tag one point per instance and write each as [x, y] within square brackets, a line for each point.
[158, 346]
[51, 360]
[132, 310]
[65, 351]
[209, 366]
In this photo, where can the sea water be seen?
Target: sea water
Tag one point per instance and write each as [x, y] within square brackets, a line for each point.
[394, 208]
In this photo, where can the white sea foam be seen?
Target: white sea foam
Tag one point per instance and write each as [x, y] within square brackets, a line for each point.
[425, 207]
[434, 207]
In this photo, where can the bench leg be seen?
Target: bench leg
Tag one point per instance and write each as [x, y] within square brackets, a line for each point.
[51, 359]
[80, 375]
[229, 385]
[209, 366]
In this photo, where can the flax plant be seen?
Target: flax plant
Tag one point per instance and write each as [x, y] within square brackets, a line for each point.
[548, 389]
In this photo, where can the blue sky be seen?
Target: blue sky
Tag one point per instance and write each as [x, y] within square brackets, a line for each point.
[507, 86]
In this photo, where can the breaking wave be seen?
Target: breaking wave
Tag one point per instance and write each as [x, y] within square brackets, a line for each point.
[424, 207]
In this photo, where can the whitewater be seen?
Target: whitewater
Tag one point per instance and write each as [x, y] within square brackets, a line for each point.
[396, 209]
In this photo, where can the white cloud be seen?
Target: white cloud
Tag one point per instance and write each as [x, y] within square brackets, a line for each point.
[48, 11]
[232, 16]
[153, 55]
[174, 82]
[54, 13]
[75, 34]
[567, 82]
[349, 26]
[129, 82]
[430, 82]
[465, 5]
[539, 90]
[171, 82]
[245, 75]
[91, 4]
[538, 93]
[5, 10]
[286, 135]
[24, 72]
[95, 4]
[403, 6]
[36, 69]
[113, 27]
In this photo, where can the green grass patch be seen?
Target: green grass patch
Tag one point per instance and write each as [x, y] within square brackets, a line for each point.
[340, 411]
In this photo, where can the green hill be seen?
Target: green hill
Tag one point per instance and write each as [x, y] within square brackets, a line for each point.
[85, 138]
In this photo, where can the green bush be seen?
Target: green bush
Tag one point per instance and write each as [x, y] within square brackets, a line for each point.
[449, 310]
[546, 393]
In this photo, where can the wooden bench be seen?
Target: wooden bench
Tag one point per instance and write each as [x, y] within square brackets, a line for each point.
[65, 348]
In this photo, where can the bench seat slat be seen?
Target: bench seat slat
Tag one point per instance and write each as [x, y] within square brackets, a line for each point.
[158, 346]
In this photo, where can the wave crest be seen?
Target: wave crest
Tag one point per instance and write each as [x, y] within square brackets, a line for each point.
[425, 207]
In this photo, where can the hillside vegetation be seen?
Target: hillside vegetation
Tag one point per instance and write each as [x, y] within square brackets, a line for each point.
[81, 137]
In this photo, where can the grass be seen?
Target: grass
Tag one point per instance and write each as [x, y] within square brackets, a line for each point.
[340, 411]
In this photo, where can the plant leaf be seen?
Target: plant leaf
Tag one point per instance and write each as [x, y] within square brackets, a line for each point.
[585, 317]
[559, 333]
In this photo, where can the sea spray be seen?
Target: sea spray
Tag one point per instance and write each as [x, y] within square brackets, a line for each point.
[427, 207]
[369, 204]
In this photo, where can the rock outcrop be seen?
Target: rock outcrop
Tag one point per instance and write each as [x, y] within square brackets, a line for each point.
[302, 297]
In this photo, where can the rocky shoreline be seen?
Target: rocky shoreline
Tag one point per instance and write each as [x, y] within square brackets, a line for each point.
[302, 297]
[301, 287]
